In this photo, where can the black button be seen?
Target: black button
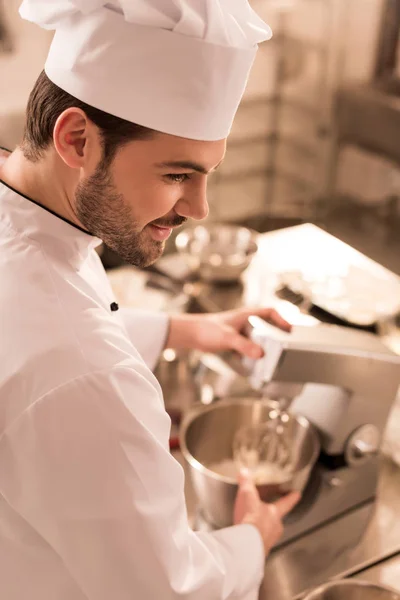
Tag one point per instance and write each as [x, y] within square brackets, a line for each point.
[114, 307]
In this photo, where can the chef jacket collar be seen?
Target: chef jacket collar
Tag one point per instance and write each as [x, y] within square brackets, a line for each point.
[59, 237]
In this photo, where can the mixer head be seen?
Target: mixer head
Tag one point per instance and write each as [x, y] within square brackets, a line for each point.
[349, 378]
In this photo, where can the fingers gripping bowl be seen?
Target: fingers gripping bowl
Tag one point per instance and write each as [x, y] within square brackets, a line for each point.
[206, 439]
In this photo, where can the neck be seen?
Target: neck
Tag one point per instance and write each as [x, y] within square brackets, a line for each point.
[45, 181]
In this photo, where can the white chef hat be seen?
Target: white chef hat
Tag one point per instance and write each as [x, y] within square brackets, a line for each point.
[176, 66]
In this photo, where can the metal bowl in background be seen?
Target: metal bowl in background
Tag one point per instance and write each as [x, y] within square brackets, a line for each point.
[216, 252]
[206, 437]
[352, 590]
[174, 372]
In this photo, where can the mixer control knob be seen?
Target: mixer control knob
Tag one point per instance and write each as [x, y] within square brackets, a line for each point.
[363, 443]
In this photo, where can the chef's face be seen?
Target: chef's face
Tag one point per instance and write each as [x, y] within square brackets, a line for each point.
[150, 187]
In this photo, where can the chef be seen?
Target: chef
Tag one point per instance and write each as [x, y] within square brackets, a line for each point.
[122, 129]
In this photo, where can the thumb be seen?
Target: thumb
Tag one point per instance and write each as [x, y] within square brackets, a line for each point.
[247, 499]
[244, 477]
[247, 488]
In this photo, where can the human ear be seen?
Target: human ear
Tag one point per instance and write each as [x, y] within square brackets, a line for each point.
[73, 137]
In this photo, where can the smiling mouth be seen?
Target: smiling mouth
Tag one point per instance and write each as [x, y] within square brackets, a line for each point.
[160, 234]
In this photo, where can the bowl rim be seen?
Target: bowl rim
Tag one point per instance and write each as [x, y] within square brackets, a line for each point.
[201, 409]
[347, 583]
[253, 241]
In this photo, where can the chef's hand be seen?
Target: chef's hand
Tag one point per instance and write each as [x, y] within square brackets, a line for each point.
[220, 332]
[267, 518]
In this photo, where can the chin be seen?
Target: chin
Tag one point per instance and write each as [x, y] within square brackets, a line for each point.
[146, 259]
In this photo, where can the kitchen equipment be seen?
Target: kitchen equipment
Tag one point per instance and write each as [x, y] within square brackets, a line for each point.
[343, 382]
[266, 449]
[174, 372]
[206, 440]
[352, 590]
[345, 366]
[217, 252]
[347, 520]
[216, 379]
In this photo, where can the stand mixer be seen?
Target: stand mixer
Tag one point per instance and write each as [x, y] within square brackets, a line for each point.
[343, 381]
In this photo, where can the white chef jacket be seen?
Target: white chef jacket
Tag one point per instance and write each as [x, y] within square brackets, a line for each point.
[91, 501]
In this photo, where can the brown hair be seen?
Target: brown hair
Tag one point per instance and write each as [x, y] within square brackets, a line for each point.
[47, 102]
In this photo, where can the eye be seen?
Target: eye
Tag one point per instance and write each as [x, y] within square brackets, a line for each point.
[178, 178]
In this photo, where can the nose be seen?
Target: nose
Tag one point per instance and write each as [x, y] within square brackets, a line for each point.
[194, 204]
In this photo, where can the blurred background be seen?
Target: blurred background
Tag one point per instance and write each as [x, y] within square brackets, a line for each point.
[316, 138]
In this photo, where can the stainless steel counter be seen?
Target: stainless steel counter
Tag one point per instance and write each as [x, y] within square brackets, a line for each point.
[386, 573]
[348, 546]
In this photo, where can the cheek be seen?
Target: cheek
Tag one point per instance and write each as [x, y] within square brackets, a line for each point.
[148, 196]
[151, 201]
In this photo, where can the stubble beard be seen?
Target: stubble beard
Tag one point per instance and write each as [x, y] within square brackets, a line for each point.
[105, 214]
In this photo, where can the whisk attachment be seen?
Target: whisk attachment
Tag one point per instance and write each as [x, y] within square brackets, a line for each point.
[265, 449]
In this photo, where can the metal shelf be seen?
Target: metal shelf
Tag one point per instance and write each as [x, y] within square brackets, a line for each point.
[256, 101]
[317, 112]
[282, 139]
[267, 174]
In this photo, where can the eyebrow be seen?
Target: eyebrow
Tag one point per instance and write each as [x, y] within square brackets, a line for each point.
[186, 164]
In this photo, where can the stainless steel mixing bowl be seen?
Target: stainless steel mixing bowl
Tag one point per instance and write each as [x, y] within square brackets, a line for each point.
[352, 590]
[216, 252]
[206, 437]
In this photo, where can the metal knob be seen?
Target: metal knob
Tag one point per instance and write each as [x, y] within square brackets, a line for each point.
[362, 445]
[363, 449]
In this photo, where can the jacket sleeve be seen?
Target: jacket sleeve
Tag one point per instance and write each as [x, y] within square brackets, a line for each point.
[147, 331]
[88, 467]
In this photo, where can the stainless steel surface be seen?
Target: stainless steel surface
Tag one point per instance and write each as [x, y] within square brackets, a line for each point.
[226, 375]
[352, 590]
[174, 372]
[362, 444]
[347, 545]
[384, 573]
[207, 437]
[217, 252]
[335, 267]
[349, 359]
[330, 494]
[219, 380]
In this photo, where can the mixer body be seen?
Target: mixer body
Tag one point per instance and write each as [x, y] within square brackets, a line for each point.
[343, 382]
